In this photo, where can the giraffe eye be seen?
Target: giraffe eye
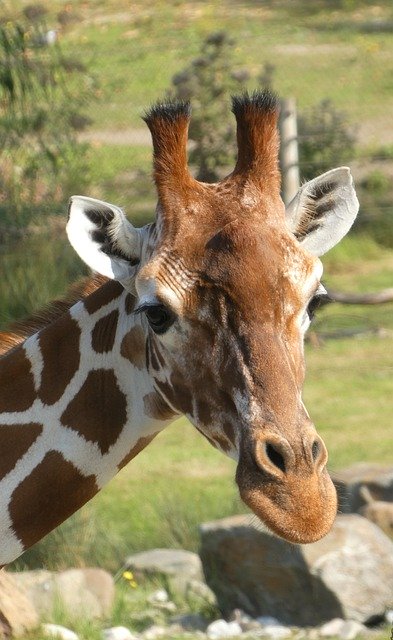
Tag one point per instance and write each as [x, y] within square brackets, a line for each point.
[159, 317]
[319, 300]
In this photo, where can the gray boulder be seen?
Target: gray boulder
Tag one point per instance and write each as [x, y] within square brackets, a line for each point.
[179, 567]
[378, 511]
[348, 574]
[83, 593]
[376, 477]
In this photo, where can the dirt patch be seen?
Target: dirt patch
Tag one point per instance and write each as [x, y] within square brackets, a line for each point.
[376, 131]
[314, 49]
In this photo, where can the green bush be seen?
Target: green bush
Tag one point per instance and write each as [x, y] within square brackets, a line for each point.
[42, 96]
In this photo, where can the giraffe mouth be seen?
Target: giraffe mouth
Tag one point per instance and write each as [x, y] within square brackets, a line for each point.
[309, 520]
[297, 506]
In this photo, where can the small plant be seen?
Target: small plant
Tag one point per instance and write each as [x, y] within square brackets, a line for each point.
[129, 577]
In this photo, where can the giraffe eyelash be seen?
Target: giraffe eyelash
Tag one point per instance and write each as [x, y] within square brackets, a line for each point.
[320, 298]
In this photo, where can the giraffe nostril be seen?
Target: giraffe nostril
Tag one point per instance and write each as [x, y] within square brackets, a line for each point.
[315, 450]
[275, 457]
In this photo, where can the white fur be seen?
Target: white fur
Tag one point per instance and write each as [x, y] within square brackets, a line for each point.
[336, 221]
[79, 231]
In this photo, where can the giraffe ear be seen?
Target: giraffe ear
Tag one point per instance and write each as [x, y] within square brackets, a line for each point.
[102, 236]
[323, 210]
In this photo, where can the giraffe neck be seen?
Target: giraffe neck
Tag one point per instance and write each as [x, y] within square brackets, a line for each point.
[76, 404]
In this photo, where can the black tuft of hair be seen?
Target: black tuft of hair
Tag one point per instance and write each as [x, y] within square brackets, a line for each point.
[263, 100]
[168, 110]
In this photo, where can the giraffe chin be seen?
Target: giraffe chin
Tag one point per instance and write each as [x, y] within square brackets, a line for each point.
[299, 510]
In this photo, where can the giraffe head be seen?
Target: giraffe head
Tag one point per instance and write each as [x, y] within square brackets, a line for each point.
[227, 281]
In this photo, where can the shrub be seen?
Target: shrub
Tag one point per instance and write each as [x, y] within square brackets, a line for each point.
[42, 96]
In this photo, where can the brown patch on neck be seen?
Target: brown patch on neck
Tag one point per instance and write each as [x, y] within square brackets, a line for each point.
[98, 412]
[104, 295]
[104, 332]
[17, 392]
[15, 440]
[60, 350]
[47, 497]
[156, 407]
[137, 448]
[133, 347]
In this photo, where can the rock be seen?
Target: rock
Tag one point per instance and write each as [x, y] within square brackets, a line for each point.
[246, 622]
[389, 616]
[160, 600]
[84, 593]
[347, 574]
[331, 628]
[57, 631]
[201, 596]
[178, 566]
[378, 511]
[190, 622]
[377, 478]
[17, 613]
[154, 632]
[118, 633]
[222, 629]
[276, 631]
[268, 621]
[351, 629]
[158, 597]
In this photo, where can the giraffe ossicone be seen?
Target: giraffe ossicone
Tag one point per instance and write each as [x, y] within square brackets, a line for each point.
[202, 313]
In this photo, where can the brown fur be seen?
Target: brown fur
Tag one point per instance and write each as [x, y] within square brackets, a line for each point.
[17, 391]
[133, 347]
[104, 333]
[156, 408]
[98, 412]
[15, 440]
[59, 343]
[257, 140]
[59, 498]
[168, 124]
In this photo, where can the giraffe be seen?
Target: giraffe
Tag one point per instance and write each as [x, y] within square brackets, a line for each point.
[203, 313]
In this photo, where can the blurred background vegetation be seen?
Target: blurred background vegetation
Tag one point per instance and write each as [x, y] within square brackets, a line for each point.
[75, 77]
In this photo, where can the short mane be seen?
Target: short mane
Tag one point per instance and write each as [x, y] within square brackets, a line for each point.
[22, 329]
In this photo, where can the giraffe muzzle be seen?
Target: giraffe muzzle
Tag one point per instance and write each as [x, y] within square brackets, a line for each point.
[287, 486]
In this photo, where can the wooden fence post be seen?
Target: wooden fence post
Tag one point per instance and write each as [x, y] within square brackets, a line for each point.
[289, 156]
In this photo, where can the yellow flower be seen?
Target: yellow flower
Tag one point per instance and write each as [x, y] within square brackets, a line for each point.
[129, 576]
